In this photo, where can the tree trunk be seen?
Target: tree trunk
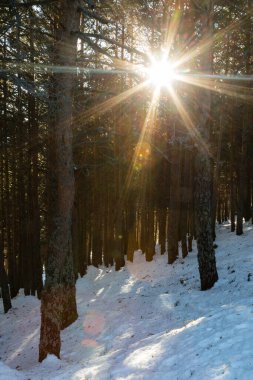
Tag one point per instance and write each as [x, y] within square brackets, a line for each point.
[239, 172]
[58, 304]
[174, 202]
[4, 285]
[203, 170]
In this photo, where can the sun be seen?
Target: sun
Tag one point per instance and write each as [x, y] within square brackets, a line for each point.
[161, 73]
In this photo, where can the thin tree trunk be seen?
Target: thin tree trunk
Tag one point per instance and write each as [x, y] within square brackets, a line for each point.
[174, 203]
[4, 285]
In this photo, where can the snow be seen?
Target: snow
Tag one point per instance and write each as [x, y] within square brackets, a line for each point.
[147, 321]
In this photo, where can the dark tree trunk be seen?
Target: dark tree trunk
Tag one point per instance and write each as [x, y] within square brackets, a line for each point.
[191, 217]
[33, 202]
[162, 229]
[232, 174]
[150, 250]
[58, 304]
[131, 232]
[174, 203]
[203, 209]
[5, 204]
[4, 285]
[239, 172]
[203, 170]
[185, 198]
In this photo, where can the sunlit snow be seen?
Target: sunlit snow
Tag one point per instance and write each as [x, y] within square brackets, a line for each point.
[147, 321]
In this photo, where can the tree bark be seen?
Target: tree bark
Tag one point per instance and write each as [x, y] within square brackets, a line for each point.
[4, 284]
[203, 170]
[174, 202]
[58, 304]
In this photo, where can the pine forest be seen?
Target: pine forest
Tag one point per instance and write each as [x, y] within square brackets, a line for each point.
[126, 171]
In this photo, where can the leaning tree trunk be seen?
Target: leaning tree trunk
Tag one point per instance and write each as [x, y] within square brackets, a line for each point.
[203, 170]
[58, 303]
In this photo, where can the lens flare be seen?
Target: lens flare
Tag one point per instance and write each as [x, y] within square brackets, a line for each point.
[161, 73]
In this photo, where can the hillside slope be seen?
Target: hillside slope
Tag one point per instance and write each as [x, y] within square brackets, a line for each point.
[148, 321]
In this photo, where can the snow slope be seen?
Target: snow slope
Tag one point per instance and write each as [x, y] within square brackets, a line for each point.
[148, 321]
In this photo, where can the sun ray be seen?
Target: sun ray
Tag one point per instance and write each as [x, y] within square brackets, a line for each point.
[172, 29]
[145, 134]
[101, 108]
[210, 83]
[223, 77]
[206, 43]
[122, 68]
[188, 122]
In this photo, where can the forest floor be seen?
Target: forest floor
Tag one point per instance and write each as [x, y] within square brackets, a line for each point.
[147, 321]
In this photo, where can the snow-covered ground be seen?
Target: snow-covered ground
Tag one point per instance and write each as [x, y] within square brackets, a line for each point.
[148, 321]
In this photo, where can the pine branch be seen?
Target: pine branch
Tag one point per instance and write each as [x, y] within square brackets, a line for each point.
[113, 42]
[93, 45]
[9, 4]
[94, 15]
